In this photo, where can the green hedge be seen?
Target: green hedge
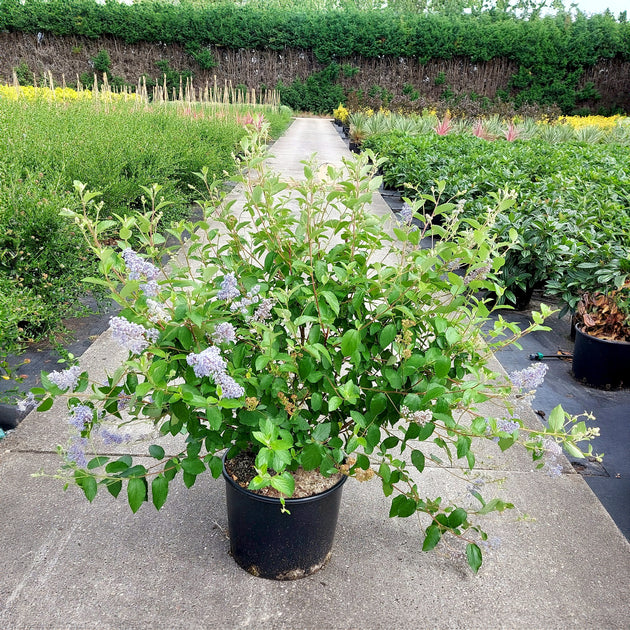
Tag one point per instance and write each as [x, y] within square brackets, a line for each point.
[551, 52]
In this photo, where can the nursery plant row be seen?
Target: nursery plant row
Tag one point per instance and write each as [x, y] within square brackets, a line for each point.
[569, 230]
[115, 148]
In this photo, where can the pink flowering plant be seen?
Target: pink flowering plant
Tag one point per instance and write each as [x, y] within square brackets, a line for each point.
[309, 331]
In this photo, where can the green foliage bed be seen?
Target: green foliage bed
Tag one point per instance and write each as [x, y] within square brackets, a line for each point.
[118, 149]
[572, 216]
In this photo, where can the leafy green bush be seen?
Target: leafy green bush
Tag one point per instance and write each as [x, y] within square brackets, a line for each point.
[42, 258]
[570, 229]
[319, 93]
[116, 148]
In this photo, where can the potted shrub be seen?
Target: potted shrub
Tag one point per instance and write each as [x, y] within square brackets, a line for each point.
[297, 334]
[601, 355]
[340, 116]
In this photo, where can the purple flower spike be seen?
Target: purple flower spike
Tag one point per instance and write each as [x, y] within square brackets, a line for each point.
[67, 379]
[132, 336]
[80, 416]
[224, 333]
[229, 289]
[76, 452]
[210, 363]
[529, 378]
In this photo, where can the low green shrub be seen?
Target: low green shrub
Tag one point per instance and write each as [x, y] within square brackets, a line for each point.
[570, 228]
[118, 149]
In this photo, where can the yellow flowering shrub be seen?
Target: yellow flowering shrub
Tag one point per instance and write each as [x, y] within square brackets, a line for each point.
[66, 94]
[602, 122]
[341, 113]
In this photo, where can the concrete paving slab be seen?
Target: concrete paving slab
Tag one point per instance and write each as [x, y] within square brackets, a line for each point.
[559, 560]
[69, 564]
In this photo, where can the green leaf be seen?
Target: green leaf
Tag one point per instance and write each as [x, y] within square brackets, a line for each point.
[473, 554]
[373, 435]
[393, 377]
[350, 342]
[114, 486]
[402, 507]
[350, 392]
[96, 462]
[189, 480]
[457, 517]
[118, 466]
[311, 457]
[573, 450]
[316, 401]
[496, 505]
[214, 417]
[463, 446]
[378, 404]
[362, 462]
[358, 418]
[417, 459]
[46, 405]
[556, 419]
[284, 483]
[387, 335]
[442, 366]
[322, 432]
[158, 370]
[432, 537]
[332, 301]
[159, 491]
[334, 403]
[215, 466]
[193, 466]
[136, 493]
[156, 451]
[426, 431]
[185, 337]
[89, 487]
[389, 443]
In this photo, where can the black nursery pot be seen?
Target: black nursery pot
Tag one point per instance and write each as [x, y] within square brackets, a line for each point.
[600, 362]
[271, 544]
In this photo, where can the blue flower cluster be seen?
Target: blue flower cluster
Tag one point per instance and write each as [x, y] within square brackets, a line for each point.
[132, 336]
[140, 268]
[224, 332]
[229, 289]
[529, 378]
[80, 416]
[76, 451]
[210, 363]
[67, 379]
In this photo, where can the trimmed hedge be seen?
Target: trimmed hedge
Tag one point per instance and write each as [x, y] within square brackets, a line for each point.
[551, 52]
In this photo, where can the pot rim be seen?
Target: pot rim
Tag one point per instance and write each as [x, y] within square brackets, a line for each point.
[578, 328]
[275, 500]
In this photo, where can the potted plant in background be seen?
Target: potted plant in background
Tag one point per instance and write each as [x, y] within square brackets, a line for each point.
[601, 355]
[592, 280]
[298, 334]
[341, 116]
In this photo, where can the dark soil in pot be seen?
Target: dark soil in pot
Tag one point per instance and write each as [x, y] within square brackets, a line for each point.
[307, 482]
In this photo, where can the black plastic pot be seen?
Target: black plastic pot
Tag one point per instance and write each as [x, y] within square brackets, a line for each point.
[271, 544]
[600, 362]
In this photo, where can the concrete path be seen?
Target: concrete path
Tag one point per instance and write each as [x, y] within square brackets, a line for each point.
[561, 562]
